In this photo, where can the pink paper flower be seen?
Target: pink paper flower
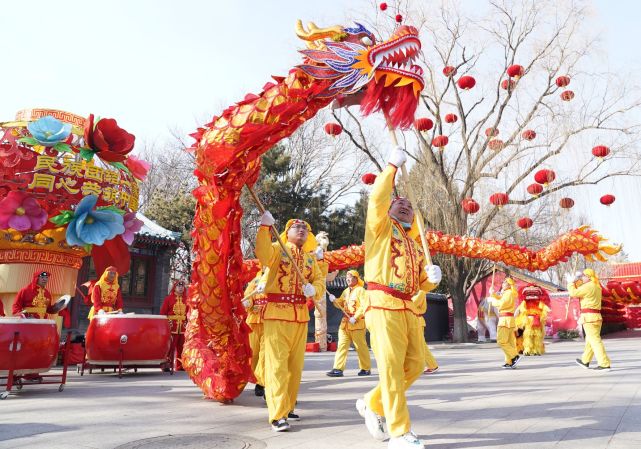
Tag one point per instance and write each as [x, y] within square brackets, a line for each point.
[132, 225]
[21, 212]
[137, 167]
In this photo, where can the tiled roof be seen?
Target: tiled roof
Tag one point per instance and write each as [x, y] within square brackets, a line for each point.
[152, 231]
[626, 270]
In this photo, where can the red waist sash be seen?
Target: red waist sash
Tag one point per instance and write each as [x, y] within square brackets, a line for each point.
[285, 298]
[506, 314]
[590, 310]
[390, 291]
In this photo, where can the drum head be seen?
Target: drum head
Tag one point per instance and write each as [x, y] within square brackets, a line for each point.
[61, 304]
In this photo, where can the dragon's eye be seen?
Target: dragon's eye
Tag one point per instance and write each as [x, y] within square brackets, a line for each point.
[366, 41]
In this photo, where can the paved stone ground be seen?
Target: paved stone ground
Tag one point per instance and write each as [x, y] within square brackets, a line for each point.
[471, 403]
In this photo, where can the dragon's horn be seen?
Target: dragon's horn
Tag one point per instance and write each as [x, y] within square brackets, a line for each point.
[316, 33]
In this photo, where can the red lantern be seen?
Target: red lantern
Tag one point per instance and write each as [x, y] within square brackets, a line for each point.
[333, 129]
[600, 151]
[423, 124]
[529, 134]
[491, 132]
[563, 81]
[525, 223]
[440, 141]
[450, 118]
[368, 178]
[470, 206]
[383, 6]
[515, 71]
[449, 70]
[544, 176]
[496, 144]
[567, 95]
[508, 85]
[399, 18]
[566, 203]
[499, 199]
[535, 189]
[466, 82]
[607, 199]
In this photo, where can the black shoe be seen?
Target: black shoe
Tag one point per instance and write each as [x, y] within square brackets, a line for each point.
[280, 426]
[515, 361]
[293, 416]
[507, 366]
[580, 363]
[335, 373]
[259, 390]
[364, 372]
[602, 368]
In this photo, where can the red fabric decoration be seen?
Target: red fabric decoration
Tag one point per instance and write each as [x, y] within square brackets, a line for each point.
[607, 199]
[600, 151]
[491, 132]
[566, 203]
[499, 199]
[449, 70]
[466, 82]
[470, 206]
[544, 176]
[383, 6]
[113, 252]
[529, 134]
[515, 71]
[440, 141]
[398, 104]
[525, 223]
[333, 129]
[535, 189]
[450, 118]
[508, 84]
[368, 178]
[423, 124]
[111, 142]
[567, 95]
[563, 81]
[496, 144]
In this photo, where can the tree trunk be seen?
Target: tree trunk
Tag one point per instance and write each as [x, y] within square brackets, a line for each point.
[456, 279]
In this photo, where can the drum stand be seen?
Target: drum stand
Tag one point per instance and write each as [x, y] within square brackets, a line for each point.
[19, 380]
[120, 365]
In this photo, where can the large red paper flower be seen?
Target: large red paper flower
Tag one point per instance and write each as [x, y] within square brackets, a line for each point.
[111, 142]
[21, 212]
[137, 167]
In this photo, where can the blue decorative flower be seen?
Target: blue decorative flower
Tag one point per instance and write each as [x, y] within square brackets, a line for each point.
[49, 131]
[93, 227]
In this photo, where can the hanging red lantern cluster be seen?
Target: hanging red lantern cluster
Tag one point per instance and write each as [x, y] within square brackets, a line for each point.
[470, 206]
[449, 70]
[544, 176]
[508, 85]
[466, 82]
[440, 141]
[499, 199]
[529, 134]
[567, 95]
[566, 203]
[606, 200]
[563, 81]
[535, 189]
[515, 71]
[333, 129]
[525, 223]
[368, 178]
[423, 124]
[450, 118]
[491, 132]
[600, 151]
[496, 144]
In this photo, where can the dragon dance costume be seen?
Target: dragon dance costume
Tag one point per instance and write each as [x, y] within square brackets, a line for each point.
[532, 315]
[33, 300]
[254, 320]
[106, 295]
[176, 309]
[506, 337]
[420, 304]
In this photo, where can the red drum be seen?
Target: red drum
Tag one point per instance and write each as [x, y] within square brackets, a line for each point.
[37, 346]
[134, 339]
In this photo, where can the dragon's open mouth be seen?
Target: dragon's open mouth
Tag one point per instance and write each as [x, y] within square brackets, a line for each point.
[398, 55]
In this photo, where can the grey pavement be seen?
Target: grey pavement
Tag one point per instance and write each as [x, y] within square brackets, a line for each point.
[471, 402]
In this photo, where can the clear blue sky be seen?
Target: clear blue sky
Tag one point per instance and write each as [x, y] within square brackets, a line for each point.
[153, 65]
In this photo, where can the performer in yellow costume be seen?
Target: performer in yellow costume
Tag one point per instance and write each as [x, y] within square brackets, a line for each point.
[254, 303]
[532, 314]
[352, 327]
[506, 337]
[420, 304]
[395, 271]
[588, 289]
[285, 315]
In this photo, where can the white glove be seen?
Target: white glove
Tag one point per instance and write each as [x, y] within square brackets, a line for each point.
[309, 291]
[397, 157]
[319, 253]
[266, 219]
[433, 273]
[246, 303]
[332, 298]
[101, 312]
[260, 288]
[352, 320]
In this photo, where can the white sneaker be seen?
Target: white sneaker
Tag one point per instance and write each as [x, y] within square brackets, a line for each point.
[407, 441]
[373, 422]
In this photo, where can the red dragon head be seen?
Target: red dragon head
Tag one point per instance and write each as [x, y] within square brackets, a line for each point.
[351, 60]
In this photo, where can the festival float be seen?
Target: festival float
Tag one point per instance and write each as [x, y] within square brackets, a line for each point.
[68, 189]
